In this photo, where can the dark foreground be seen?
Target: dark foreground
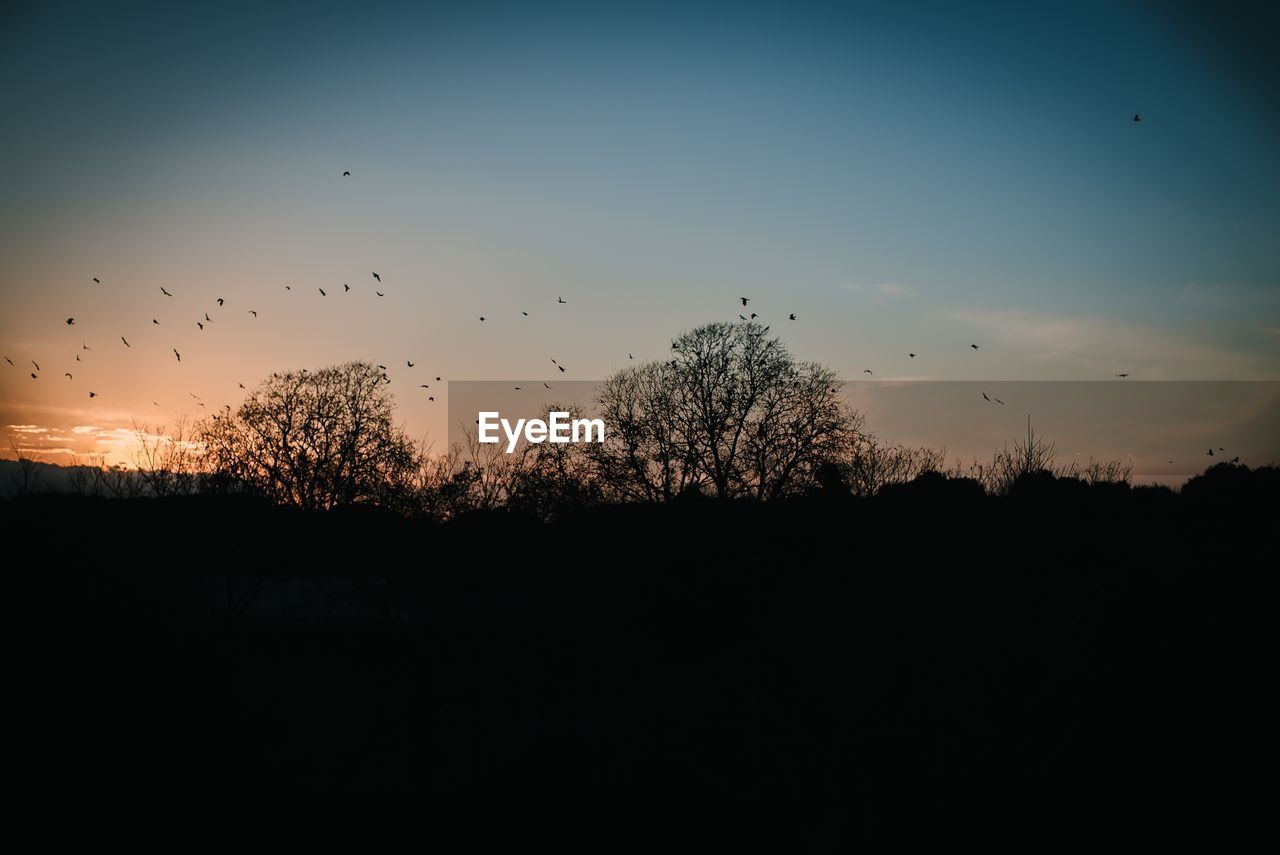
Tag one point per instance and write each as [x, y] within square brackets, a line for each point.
[919, 665]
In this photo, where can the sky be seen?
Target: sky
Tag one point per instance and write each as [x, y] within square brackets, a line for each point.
[907, 179]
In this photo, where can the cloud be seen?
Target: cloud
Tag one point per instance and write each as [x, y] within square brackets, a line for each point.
[1092, 345]
[27, 429]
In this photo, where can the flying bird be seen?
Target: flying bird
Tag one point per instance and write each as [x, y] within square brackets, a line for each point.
[407, 362]
[241, 385]
[561, 367]
[742, 317]
[346, 174]
[383, 367]
[423, 386]
[288, 287]
[345, 287]
[1209, 452]
[437, 379]
[545, 383]
[200, 325]
[791, 317]
[526, 314]
[33, 376]
[482, 317]
[179, 355]
[322, 293]
[985, 398]
[84, 346]
[376, 276]
[77, 357]
[37, 365]
[754, 316]
[974, 346]
[96, 279]
[379, 293]
[164, 292]
[8, 360]
[868, 371]
[207, 318]
[252, 312]
[1235, 460]
[517, 388]
[561, 300]
[1137, 117]
[93, 394]
[67, 374]
[629, 356]
[71, 322]
[154, 321]
[745, 300]
[220, 301]
[1122, 375]
[1000, 402]
[912, 355]
[431, 397]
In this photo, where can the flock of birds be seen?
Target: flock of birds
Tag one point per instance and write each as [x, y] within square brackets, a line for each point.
[203, 322]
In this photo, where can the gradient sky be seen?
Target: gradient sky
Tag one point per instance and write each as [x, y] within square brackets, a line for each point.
[913, 179]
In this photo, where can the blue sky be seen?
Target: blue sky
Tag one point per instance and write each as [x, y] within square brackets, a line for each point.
[907, 179]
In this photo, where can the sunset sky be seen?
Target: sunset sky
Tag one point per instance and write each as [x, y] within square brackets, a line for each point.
[903, 181]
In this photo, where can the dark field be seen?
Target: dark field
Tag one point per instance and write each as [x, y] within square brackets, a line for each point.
[1068, 659]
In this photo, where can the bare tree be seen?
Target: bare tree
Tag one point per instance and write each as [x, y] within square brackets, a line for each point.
[166, 462]
[872, 465]
[314, 439]
[731, 412]
[26, 480]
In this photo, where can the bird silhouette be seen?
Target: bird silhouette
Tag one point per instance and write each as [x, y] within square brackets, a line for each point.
[179, 355]
[8, 360]
[482, 317]
[71, 322]
[1235, 460]
[220, 301]
[985, 398]
[207, 318]
[974, 346]
[379, 293]
[200, 325]
[423, 386]
[68, 375]
[241, 385]
[526, 314]
[154, 321]
[252, 312]
[33, 376]
[742, 317]
[791, 317]
[345, 174]
[561, 367]
[164, 292]
[437, 379]
[561, 300]
[912, 355]
[322, 294]
[1137, 117]
[1122, 375]
[1000, 402]
[431, 397]
[868, 371]
[383, 367]
[345, 287]
[126, 341]
[517, 388]
[1209, 452]
[745, 300]
[546, 384]
[96, 279]
[84, 346]
[754, 316]
[376, 276]
[93, 394]
[407, 362]
[288, 287]
[629, 356]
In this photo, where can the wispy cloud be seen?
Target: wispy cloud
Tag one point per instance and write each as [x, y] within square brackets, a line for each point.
[1093, 345]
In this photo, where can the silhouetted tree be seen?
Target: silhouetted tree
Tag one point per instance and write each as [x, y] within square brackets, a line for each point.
[314, 439]
[731, 413]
